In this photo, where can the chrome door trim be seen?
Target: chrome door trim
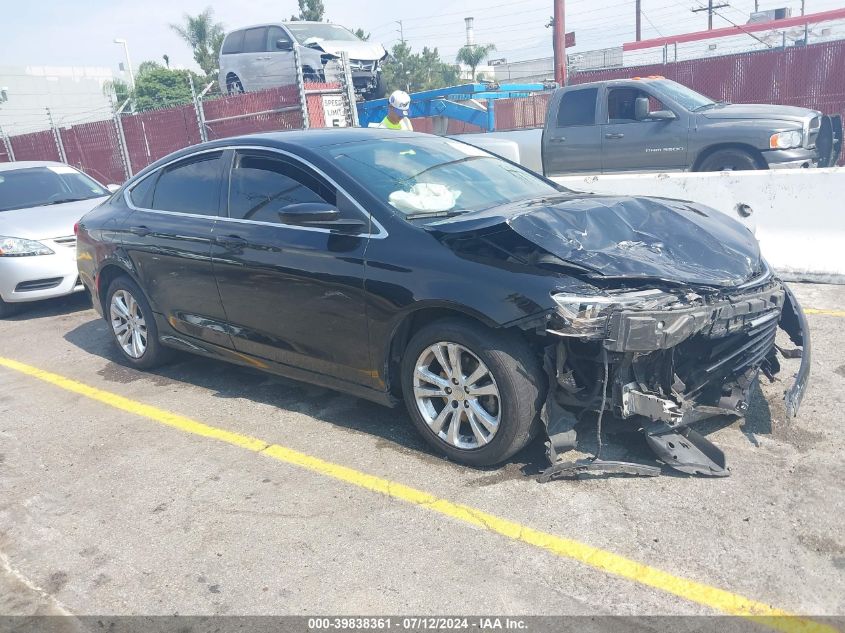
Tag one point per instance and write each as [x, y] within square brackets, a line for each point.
[380, 233]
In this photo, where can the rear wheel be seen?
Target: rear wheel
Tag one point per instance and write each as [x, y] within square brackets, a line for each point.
[234, 85]
[133, 325]
[730, 160]
[473, 393]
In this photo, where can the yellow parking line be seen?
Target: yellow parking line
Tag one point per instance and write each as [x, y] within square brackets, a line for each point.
[717, 599]
[836, 313]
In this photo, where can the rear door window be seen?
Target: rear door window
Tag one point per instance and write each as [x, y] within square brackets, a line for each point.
[577, 107]
[142, 193]
[254, 40]
[190, 186]
[234, 43]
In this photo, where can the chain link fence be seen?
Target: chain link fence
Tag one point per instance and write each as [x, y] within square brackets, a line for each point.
[114, 149]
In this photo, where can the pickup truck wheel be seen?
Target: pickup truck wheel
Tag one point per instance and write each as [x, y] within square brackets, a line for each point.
[473, 393]
[729, 160]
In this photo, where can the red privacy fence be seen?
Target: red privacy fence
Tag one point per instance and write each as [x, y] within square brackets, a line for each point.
[807, 76]
[110, 150]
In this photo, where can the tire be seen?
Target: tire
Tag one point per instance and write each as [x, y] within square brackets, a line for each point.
[234, 85]
[8, 309]
[153, 353]
[514, 374]
[729, 160]
[312, 76]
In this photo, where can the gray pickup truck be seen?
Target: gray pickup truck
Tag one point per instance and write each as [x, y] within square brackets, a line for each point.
[654, 124]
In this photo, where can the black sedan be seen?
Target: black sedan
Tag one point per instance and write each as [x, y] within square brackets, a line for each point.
[399, 266]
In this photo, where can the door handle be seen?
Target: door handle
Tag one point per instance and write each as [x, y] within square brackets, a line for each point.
[141, 231]
[614, 135]
[230, 240]
[557, 139]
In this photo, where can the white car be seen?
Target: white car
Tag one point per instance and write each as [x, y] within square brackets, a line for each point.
[261, 56]
[40, 202]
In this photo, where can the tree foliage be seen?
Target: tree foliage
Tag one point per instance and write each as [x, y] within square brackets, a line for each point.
[310, 10]
[472, 55]
[205, 37]
[410, 71]
[361, 34]
[160, 87]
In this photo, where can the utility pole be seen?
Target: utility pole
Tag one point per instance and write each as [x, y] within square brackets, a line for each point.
[802, 7]
[401, 31]
[559, 42]
[639, 30]
[710, 8]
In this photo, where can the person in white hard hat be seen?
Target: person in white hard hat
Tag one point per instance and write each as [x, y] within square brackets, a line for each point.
[398, 106]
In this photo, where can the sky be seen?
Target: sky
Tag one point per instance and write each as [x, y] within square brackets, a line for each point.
[81, 32]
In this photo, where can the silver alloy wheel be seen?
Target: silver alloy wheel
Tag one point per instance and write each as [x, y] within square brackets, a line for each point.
[457, 395]
[128, 324]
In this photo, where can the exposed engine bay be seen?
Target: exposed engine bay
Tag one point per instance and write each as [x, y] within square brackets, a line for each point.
[665, 367]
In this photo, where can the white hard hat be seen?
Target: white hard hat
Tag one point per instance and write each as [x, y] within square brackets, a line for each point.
[400, 100]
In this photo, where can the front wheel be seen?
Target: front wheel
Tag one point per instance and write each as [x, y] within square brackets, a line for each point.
[729, 160]
[133, 325]
[234, 85]
[473, 393]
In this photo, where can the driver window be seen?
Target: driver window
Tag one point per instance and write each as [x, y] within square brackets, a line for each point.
[621, 104]
[262, 185]
[274, 34]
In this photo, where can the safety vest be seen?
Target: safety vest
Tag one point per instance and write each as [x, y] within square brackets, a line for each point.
[404, 124]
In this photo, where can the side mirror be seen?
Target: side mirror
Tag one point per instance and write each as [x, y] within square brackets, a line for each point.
[662, 115]
[113, 188]
[641, 108]
[284, 45]
[309, 213]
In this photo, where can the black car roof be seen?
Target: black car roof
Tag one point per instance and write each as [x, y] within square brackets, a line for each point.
[317, 137]
[288, 139]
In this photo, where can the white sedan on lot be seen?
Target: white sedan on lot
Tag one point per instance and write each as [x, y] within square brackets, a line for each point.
[40, 201]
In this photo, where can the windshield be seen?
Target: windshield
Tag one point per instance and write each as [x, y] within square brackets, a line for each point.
[683, 96]
[428, 177]
[302, 32]
[39, 186]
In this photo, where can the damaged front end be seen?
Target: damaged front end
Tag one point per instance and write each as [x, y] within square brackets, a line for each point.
[662, 359]
[662, 313]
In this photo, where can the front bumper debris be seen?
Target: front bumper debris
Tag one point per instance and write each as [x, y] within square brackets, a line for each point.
[670, 368]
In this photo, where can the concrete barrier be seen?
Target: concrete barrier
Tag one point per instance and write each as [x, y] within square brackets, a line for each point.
[798, 215]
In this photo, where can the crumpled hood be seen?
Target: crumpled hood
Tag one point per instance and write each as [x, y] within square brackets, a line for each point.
[357, 50]
[38, 223]
[758, 111]
[628, 237]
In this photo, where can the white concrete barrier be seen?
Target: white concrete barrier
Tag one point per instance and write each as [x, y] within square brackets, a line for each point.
[798, 214]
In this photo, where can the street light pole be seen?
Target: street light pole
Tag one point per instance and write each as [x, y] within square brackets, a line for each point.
[128, 61]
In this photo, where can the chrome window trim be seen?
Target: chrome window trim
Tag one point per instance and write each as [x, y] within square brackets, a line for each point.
[380, 234]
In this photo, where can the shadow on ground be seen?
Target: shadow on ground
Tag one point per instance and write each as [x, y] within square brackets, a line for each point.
[46, 308]
[621, 439]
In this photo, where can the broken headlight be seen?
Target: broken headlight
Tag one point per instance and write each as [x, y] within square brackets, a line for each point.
[586, 316]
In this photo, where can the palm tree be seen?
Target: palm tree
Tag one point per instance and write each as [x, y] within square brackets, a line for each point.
[204, 36]
[473, 54]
